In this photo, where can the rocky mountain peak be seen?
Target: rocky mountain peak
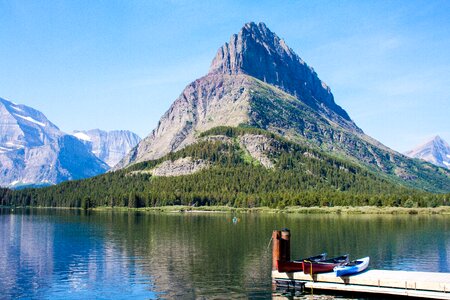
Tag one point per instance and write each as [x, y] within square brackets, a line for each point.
[438, 140]
[435, 151]
[23, 126]
[260, 53]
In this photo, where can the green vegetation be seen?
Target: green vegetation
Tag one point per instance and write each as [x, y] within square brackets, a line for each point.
[301, 177]
[274, 110]
[348, 210]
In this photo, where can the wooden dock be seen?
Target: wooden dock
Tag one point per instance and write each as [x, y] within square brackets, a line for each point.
[399, 283]
[431, 285]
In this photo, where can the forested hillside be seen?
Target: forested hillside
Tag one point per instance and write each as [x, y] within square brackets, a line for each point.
[282, 173]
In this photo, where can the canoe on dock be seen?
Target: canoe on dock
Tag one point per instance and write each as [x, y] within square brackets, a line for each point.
[297, 265]
[290, 266]
[314, 267]
[352, 267]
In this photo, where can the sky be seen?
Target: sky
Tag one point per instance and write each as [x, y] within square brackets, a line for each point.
[121, 64]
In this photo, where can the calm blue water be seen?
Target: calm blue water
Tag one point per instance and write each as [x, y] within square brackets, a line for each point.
[54, 257]
[65, 254]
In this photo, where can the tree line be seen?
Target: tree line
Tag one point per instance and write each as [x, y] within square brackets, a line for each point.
[301, 176]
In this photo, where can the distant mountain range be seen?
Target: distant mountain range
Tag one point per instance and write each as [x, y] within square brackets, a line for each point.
[435, 151]
[35, 152]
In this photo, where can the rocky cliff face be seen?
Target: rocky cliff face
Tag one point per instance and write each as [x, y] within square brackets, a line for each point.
[33, 151]
[435, 151]
[260, 53]
[108, 146]
[208, 102]
[257, 80]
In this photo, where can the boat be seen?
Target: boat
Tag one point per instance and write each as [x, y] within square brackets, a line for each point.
[352, 267]
[313, 267]
[319, 257]
[290, 266]
[297, 265]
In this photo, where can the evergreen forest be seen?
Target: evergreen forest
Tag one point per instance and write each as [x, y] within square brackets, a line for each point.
[301, 176]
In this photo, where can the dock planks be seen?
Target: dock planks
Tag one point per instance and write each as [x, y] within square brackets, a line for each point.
[403, 283]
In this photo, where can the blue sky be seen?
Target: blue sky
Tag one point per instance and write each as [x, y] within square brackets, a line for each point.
[120, 64]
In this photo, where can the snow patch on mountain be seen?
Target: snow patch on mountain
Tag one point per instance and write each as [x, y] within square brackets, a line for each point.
[30, 120]
[82, 136]
[16, 108]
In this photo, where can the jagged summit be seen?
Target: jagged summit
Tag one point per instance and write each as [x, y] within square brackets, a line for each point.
[260, 53]
[438, 139]
[435, 151]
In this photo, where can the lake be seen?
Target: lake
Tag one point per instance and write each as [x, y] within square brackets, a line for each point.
[70, 254]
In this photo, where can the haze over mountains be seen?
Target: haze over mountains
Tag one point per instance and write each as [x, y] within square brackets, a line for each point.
[34, 151]
[435, 151]
[257, 80]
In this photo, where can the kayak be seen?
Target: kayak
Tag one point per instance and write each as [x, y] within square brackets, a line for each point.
[297, 265]
[313, 267]
[352, 267]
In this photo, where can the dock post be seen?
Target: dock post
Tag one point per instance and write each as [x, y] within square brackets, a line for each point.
[285, 245]
[276, 236]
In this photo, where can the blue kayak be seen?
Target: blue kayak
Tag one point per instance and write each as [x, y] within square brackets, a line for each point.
[352, 267]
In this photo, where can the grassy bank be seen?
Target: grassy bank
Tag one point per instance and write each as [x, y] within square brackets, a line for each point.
[442, 210]
[348, 210]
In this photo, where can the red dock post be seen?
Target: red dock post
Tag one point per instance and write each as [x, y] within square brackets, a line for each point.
[285, 242]
[281, 247]
[276, 236]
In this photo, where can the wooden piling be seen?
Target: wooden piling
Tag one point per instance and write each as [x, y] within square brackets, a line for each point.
[285, 245]
[276, 237]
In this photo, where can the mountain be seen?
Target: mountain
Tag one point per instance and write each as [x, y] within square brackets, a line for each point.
[109, 146]
[257, 80]
[33, 151]
[435, 151]
[255, 69]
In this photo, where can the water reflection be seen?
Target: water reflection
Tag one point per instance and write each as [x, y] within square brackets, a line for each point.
[63, 253]
[59, 254]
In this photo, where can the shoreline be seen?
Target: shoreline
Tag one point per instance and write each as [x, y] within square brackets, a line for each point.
[347, 210]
